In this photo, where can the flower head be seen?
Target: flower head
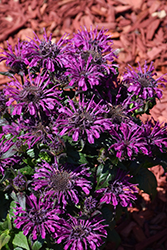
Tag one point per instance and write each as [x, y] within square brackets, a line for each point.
[83, 74]
[129, 140]
[33, 96]
[119, 191]
[61, 182]
[15, 60]
[45, 54]
[19, 182]
[142, 83]
[84, 119]
[80, 234]
[156, 136]
[38, 218]
[98, 45]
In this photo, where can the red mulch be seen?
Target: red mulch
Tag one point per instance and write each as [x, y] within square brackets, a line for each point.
[139, 32]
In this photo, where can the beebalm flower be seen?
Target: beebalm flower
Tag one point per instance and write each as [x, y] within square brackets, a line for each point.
[19, 182]
[129, 140]
[33, 96]
[142, 83]
[82, 120]
[83, 75]
[38, 218]
[156, 136]
[98, 45]
[15, 59]
[45, 54]
[61, 182]
[80, 234]
[119, 191]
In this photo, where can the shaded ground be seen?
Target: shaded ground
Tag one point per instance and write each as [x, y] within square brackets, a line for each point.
[139, 31]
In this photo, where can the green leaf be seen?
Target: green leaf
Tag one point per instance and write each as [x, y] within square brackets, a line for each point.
[27, 170]
[37, 245]
[20, 240]
[146, 180]
[4, 238]
[31, 153]
[12, 208]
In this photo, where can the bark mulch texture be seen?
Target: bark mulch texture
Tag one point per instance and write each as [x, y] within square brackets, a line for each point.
[139, 32]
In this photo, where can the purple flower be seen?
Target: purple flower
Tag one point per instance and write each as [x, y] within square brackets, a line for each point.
[33, 96]
[15, 60]
[61, 182]
[142, 83]
[45, 54]
[83, 75]
[119, 191]
[156, 136]
[80, 234]
[82, 119]
[36, 131]
[7, 152]
[19, 182]
[129, 140]
[98, 45]
[39, 217]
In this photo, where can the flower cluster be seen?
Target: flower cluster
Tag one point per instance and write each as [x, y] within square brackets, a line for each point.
[71, 140]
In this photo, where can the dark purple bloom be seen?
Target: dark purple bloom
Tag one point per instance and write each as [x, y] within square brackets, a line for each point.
[83, 75]
[80, 234]
[156, 136]
[36, 131]
[39, 217]
[45, 54]
[142, 83]
[84, 119]
[15, 60]
[129, 140]
[90, 205]
[33, 96]
[7, 152]
[61, 182]
[119, 191]
[19, 182]
[98, 45]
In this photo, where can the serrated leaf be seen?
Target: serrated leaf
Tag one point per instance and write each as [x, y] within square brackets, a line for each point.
[4, 238]
[20, 240]
[12, 208]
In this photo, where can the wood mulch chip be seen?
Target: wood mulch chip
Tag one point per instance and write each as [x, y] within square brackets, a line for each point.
[139, 32]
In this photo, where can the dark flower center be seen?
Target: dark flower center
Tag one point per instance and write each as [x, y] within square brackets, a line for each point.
[30, 94]
[47, 49]
[116, 188]
[60, 181]
[80, 231]
[82, 120]
[37, 216]
[116, 113]
[144, 81]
